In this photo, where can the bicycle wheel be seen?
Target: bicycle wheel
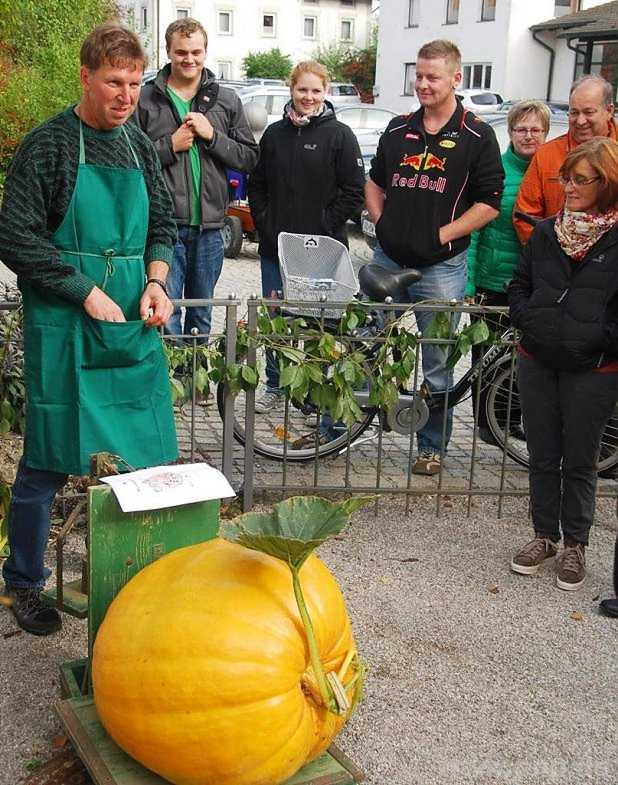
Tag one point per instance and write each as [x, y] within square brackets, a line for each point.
[497, 406]
[287, 432]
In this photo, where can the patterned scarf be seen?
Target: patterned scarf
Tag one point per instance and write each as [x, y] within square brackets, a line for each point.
[578, 232]
[298, 119]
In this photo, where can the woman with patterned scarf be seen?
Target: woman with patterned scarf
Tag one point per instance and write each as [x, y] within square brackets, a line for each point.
[310, 179]
[564, 300]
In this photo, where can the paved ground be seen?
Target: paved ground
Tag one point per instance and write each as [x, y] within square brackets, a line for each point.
[476, 676]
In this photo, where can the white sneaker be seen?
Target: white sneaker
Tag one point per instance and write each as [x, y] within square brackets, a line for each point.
[268, 401]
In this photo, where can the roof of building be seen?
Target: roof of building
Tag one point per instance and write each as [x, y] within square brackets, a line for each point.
[602, 20]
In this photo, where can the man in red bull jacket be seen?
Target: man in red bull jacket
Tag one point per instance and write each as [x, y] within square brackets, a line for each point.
[436, 177]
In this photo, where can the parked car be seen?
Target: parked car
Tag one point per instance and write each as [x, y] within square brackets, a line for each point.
[480, 101]
[255, 80]
[340, 94]
[555, 107]
[368, 123]
[272, 97]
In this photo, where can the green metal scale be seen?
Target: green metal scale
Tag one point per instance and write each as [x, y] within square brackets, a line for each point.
[120, 545]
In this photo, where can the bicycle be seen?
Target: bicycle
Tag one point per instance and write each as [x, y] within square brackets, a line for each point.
[284, 433]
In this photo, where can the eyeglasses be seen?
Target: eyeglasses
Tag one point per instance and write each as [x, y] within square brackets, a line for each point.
[521, 131]
[577, 180]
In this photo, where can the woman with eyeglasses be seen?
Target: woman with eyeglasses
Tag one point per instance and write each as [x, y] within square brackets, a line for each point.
[564, 300]
[494, 250]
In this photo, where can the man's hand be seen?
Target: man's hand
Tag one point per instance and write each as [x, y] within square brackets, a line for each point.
[200, 125]
[99, 306]
[182, 139]
[155, 307]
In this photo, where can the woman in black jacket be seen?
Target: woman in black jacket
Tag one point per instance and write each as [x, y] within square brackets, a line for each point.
[564, 300]
[310, 180]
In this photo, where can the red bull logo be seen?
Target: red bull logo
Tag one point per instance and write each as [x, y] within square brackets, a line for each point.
[433, 162]
[415, 161]
[424, 161]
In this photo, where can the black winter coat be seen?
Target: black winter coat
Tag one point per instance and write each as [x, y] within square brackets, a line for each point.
[567, 311]
[308, 180]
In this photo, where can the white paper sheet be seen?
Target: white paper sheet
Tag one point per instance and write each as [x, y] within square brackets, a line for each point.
[168, 486]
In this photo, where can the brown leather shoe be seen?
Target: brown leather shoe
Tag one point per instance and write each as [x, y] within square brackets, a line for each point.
[427, 463]
[528, 559]
[571, 567]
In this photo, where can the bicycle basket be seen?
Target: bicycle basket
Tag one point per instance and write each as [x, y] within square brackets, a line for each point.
[315, 267]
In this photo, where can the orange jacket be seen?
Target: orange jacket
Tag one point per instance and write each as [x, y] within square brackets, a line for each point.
[540, 192]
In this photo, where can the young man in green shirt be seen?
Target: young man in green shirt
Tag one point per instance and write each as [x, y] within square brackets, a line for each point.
[199, 131]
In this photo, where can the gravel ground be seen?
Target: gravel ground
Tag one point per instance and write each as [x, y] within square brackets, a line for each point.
[477, 676]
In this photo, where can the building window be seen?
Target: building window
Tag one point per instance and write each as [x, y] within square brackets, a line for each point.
[603, 61]
[269, 25]
[224, 69]
[409, 79]
[144, 18]
[224, 23]
[348, 2]
[182, 13]
[347, 29]
[310, 26]
[413, 13]
[476, 75]
[452, 12]
[488, 11]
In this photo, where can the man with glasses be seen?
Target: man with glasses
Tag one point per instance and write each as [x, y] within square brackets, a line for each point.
[591, 113]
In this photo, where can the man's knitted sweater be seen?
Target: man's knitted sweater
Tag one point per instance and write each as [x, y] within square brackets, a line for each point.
[38, 189]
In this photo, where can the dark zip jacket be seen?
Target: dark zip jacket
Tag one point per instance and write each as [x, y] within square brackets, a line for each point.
[233, 145]
[567, 311]
[309, 180]
[430, 180]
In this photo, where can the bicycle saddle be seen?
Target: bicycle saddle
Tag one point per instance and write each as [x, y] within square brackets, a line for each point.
[378, 283]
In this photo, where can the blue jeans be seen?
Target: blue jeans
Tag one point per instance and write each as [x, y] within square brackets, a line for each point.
[443, 281]
[28, 526]
[198, 260]
[271, 282]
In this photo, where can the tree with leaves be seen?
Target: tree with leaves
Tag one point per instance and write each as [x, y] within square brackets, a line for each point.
[272, 64]
[39, 52]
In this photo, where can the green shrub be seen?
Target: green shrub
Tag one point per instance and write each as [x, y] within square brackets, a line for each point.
[39, 61]
[272, 64]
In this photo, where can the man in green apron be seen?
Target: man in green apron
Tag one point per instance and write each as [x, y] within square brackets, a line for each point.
[86, 224]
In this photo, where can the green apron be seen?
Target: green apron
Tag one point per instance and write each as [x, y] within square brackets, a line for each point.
[94, 386]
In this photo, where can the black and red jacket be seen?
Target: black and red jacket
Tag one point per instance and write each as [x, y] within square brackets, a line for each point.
[430, 180]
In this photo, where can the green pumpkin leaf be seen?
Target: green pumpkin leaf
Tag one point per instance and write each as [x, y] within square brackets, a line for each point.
[294, 528]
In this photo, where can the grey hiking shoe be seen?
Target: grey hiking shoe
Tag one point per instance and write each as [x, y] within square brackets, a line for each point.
[268, 401]
[528, 559]
[571, 567]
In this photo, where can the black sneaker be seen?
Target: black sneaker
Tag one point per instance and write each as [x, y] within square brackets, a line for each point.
[32, 615]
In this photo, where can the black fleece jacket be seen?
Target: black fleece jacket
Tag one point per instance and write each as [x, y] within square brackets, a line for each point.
[567, 311]
[308, 180]
[430, 180]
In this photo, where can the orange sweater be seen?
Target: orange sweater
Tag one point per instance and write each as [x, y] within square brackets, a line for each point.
[540, 192]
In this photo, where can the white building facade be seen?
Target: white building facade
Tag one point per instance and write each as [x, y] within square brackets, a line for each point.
[497, 46]
[237, 27]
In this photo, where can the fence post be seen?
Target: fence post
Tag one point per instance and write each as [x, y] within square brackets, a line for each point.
[231, 316]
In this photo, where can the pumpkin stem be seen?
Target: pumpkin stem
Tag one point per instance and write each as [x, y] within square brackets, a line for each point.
[328, 699]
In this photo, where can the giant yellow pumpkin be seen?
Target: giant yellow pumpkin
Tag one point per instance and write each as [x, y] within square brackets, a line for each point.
[201, 668]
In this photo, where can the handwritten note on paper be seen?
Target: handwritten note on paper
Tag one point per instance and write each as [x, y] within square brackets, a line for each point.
[168, 486]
